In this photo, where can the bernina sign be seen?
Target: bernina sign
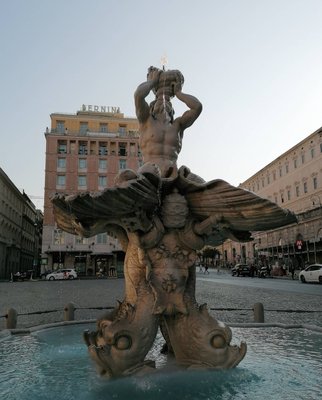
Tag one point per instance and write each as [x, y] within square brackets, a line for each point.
[102, 109]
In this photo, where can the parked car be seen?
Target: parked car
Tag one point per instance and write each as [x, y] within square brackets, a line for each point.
[45, 273]
[69, 273]
[240, 270]
[312, 273]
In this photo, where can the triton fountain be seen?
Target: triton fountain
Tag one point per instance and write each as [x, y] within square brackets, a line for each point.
[162, 215]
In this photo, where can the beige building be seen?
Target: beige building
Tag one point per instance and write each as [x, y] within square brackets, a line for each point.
[20, 230]
[293, 181]
[84, 153]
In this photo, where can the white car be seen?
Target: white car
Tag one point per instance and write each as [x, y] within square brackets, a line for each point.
[62, 274]
[312, 273]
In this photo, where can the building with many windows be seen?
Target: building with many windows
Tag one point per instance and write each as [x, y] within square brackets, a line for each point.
[293, 181]
[20, 230]
[84, 153]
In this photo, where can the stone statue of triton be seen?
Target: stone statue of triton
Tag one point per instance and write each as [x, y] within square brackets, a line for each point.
[162, 215]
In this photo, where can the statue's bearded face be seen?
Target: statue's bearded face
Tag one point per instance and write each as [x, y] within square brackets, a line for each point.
[174, 212]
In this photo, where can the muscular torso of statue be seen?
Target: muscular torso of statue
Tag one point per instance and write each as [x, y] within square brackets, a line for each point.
[160, 143]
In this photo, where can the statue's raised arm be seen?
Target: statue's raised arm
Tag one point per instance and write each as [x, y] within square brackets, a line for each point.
[189, 116]
[161, 134]
[142, 108]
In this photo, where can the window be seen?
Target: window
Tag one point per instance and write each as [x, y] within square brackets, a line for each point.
[286, 168]
[103, 127]
[101, 238]
[102, 149]
[81, 240]
[122, 164]
[61, 163]
[82, 181]
[62, 147]
[305, 187]
[282, 197]
[297, 191]
[82, 163]
[268, 180]
[280, 172]
[102, 181]
[83, 128]
[122, 130]
[102, 164]
[61, 180]
[303, 158]
[288, 195]
[122, 149]
[60, 126]
[321, 147]
[263, 183]
[82, 148]
[59, 236]
[274, 175]
[312, 153]
[315, 183]
[295, 163]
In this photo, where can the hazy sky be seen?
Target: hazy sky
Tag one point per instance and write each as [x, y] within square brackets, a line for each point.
[255, 65]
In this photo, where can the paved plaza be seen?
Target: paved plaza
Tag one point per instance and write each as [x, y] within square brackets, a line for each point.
[232, 303]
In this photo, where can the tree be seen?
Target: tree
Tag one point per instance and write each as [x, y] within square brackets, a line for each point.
[208, 255]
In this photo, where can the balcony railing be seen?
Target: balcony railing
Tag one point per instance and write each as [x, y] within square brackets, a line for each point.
[130, 134]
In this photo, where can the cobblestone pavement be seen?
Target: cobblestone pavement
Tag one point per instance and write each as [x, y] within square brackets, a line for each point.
[34, 296]
[298, 308]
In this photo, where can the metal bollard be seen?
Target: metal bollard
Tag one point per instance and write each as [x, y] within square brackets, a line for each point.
[69, 312]
[12, 317]
[258, 312]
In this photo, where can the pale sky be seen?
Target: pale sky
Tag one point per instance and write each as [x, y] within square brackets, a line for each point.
[256, 66]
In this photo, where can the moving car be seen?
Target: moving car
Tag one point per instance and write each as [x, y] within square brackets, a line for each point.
[312, 273]
[240, 270]
[69, 273]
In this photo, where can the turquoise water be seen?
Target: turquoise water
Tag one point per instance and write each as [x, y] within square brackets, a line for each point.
[53, 364]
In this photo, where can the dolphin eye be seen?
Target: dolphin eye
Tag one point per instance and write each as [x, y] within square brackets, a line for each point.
[218, 342]
[123, 342]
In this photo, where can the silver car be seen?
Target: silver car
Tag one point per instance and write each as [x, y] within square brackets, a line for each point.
[312, 273]
[68, 273]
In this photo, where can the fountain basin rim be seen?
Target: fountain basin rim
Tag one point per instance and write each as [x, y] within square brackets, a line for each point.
[4, 334]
